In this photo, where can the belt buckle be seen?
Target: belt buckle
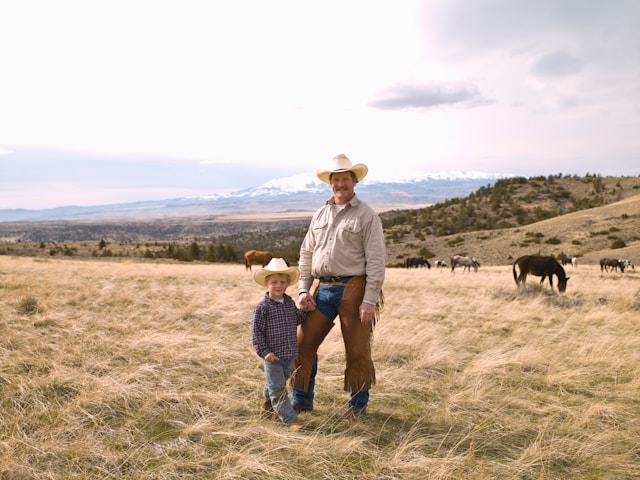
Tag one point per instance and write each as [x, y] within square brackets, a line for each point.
[339, 279]
[330, 279]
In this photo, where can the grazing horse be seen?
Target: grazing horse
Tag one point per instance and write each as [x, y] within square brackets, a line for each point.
[541, 266]
[256, 257]
[573, 261]
[611, 263]
[466, 262]
[416, 262]
[441, 264]
[627, 263]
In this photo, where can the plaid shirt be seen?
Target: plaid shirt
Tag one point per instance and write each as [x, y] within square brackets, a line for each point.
[274, 327]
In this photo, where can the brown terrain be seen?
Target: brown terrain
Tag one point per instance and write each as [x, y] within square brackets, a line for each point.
[586, 234]
[591, 217]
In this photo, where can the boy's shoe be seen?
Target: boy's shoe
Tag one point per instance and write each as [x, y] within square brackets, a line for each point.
[266, 410]
[295, 426]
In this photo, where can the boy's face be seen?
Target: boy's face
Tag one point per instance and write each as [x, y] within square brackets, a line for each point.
[277, 285]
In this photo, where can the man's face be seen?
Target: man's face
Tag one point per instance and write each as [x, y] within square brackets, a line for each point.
[342, 184]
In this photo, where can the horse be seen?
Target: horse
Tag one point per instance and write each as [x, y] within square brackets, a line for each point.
[256, 257]
[441, 264]
[416, 262]
[466, 262]
[541, 266]
[611, 263]
[573, 261]
[627, 263]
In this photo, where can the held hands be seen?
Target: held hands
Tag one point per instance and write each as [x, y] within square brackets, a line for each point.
[306, 302]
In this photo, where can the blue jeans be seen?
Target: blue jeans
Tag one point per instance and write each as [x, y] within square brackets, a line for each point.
[358, 400]
[328, 301]
[276, 375]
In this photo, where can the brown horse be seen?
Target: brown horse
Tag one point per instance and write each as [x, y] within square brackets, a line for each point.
[256, 257]
[540, 266]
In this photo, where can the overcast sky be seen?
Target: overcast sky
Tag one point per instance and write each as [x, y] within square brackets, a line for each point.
[115, 101]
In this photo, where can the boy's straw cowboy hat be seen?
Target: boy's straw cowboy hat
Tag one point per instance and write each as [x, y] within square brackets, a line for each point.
[341, 163]
[276, 265]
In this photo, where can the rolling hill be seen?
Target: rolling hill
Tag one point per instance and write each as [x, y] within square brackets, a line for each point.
[587, 234]
[588, 217]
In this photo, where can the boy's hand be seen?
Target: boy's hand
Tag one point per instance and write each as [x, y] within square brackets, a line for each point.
[271, 357]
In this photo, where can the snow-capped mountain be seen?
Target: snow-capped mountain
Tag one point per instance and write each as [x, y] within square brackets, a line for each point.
[295, 193]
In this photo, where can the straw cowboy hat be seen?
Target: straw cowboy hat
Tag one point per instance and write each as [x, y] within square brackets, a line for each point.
[276, 265]
[341, 163]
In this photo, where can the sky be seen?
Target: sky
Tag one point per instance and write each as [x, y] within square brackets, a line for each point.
[116, 101]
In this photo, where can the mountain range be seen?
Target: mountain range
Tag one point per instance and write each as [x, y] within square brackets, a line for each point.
[295, 193]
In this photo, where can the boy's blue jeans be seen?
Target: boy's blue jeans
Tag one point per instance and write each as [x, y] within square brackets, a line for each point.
[276, 375]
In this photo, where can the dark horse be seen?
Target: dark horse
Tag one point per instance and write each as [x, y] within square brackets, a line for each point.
[416, 262]
[541, 266]
[611, 263]
[256, 257]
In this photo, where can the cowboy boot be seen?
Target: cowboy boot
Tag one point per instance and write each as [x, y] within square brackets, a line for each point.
[266, 410]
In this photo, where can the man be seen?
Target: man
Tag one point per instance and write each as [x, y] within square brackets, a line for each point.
[344, 249]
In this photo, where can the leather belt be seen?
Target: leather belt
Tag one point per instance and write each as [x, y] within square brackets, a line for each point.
[334, 279]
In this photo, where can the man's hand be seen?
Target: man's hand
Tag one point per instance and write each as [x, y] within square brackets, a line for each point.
[367, 313]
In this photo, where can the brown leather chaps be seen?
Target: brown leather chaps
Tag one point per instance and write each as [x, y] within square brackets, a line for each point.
[360, 373]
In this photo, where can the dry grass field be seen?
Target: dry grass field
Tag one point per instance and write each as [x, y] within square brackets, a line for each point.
[133, 370]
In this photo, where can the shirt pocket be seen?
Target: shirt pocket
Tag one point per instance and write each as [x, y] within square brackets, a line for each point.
[352, 228]
[320, 231]
[322, 225]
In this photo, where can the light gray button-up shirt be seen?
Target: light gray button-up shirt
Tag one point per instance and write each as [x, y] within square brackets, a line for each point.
[344, 244]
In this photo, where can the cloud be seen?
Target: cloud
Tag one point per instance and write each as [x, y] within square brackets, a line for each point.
[556, 64]
[405, 96]
[467, 28]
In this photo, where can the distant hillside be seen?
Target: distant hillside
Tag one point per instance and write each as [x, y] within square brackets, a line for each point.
[514, 202]
[587, 217]
[609, 231]
[518, 216]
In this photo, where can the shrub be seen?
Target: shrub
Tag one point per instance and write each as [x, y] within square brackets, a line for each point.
[28, 306]
[426, 253]
[455, 241]
[619, 243]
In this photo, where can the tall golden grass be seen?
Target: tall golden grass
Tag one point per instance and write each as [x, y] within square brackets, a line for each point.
[128, 370]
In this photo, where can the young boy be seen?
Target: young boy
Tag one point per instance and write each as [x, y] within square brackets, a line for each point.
[274, 332]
